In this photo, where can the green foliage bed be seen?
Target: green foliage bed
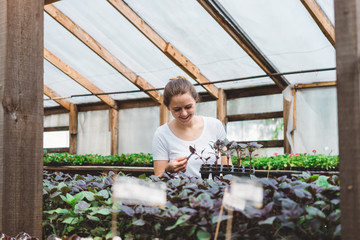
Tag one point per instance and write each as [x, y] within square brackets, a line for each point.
[278, 162]
[301, 207]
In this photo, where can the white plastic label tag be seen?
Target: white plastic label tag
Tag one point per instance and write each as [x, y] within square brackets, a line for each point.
[243, 192]
[131, 190]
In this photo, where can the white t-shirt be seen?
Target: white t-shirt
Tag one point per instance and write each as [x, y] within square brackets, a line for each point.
[167, 146]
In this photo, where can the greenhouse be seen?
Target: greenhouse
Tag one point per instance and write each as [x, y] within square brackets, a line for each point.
[82, 91]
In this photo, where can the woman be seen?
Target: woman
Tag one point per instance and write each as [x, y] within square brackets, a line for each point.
[172, 140]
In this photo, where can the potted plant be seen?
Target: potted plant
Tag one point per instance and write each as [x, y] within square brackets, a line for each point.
[227, 148]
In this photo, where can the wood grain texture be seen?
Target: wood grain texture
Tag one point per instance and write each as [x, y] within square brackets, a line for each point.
[21, 116]
[321, 19]
[254, 116]
[347, 27]
[73, 128]
[114, 128]
[221, 107]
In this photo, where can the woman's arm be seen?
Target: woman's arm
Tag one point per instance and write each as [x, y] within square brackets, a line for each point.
[224, 160]
[174, 165]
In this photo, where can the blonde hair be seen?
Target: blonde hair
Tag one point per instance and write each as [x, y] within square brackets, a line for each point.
[178, 86]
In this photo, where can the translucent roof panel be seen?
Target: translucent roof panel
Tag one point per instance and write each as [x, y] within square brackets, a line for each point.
[187, 26]
[65, 86]
[286, 33]
[78, 56]
[107, 26]
[49, 103]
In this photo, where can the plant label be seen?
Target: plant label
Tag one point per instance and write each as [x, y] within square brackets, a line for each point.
[131, 190]
[243, 192]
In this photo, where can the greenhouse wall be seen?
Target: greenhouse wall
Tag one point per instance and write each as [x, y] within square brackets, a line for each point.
[136, 129]
[316, 124]
[316, 121]
[94, 134]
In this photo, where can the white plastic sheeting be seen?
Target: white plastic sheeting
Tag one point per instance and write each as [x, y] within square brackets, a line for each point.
[316, 121]
[56, 120]
[286, 33]
[136, 129]
[94, 134]
[258, 104]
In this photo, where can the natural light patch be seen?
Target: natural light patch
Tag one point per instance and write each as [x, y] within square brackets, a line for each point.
[56, 139]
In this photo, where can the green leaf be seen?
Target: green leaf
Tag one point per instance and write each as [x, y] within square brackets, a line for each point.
[102, 194]
[58, 210]
[267, 221]
[93, 218]
[180, 220]
[102, 211]
[322, 181]
[63, 187]
[143, 176]
[68, 199]
[202, 235]
[71, 220]
[138, 222]
[315, 212]
[85, 194]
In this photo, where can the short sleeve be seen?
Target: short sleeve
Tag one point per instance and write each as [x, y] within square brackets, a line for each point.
[220, 134]
[159, 149]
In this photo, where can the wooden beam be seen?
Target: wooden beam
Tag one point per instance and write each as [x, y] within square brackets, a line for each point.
[56, 97]
[54, 129]
[286, 115]
[21, 116]
[319, 84]
[73, 128]
[267, 143]
[78, 32]
[347, 27]
[252, 91]
[57, 150]
[50, 1]
[54, 110]
[216, 10]
[221, 107]
[57, 62]
[254, 116]
[114, 128]
[167, 48]
[321, 19]
[164, 114]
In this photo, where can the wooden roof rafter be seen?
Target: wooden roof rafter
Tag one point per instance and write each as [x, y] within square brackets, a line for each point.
[57, 62]
[167, 48]
[218, 12]
[321, 19]
[57, 98]
[50, 1]
[89, 41]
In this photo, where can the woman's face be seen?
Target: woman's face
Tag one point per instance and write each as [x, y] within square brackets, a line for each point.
[182, 107]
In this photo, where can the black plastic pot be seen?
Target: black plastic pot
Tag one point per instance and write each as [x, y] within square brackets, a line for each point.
[216, 171]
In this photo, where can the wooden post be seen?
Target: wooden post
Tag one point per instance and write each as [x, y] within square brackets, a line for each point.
[21, 116]
[286, 112]
[114, 127]
[221, 105]
[164, 114]
[73, 128]
[347, 37]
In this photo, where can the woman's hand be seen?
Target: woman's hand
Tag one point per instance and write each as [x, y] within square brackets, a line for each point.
[174, 165]
[177, 165]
